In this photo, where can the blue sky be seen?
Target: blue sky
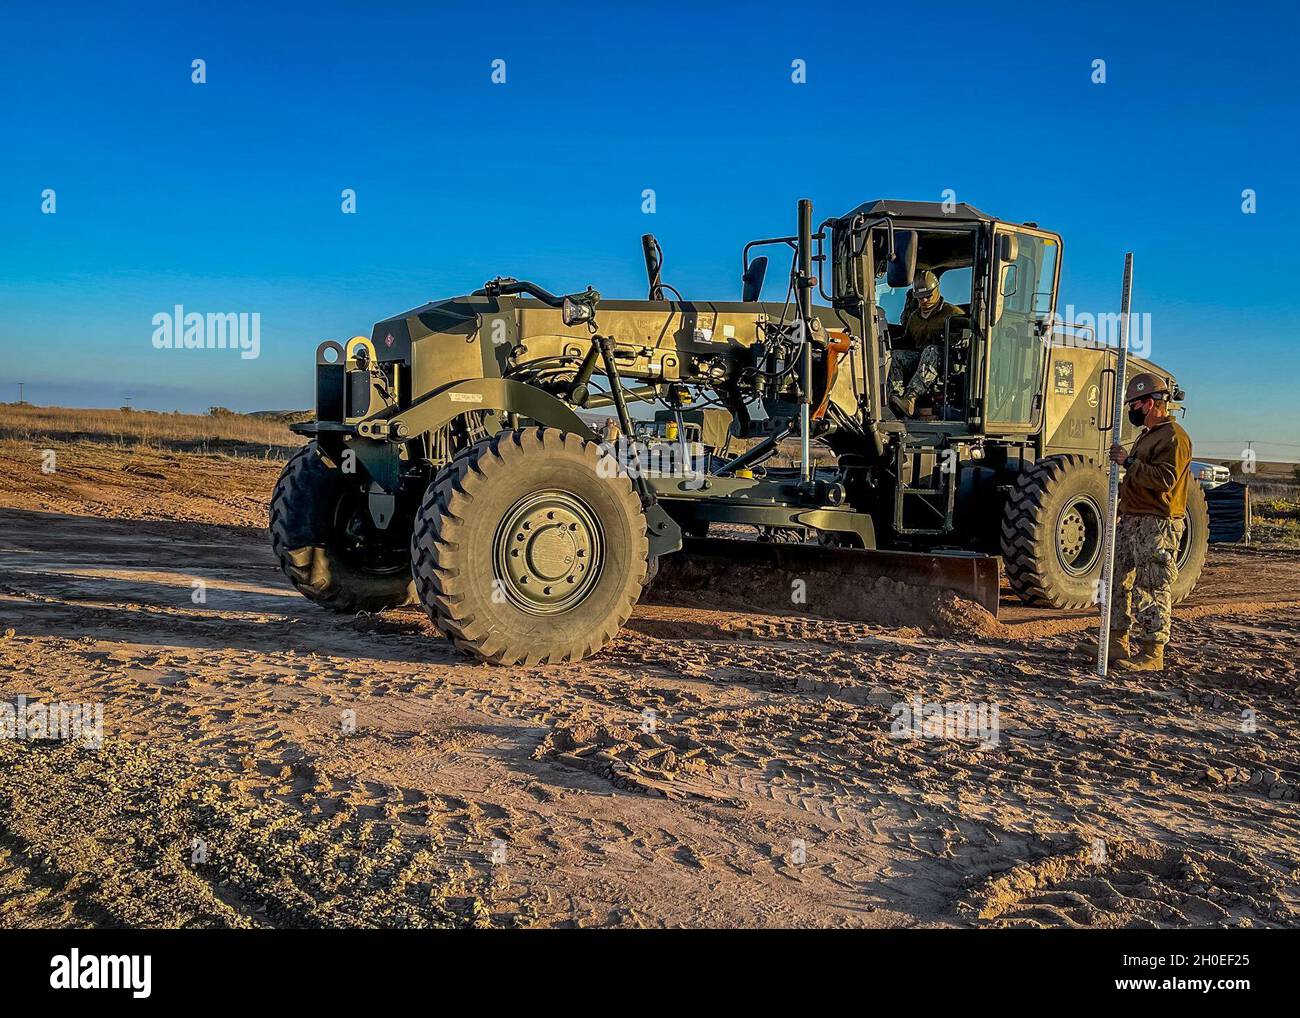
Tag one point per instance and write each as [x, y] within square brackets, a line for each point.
[226, 196]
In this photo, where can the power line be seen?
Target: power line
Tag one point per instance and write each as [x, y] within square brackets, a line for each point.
[1250, 442]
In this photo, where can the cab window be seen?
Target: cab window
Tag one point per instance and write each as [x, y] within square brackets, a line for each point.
[1022, 304]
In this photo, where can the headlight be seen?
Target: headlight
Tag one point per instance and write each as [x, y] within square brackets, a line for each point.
[574, 312]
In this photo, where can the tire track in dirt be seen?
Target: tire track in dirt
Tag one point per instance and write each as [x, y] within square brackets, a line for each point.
[791, 717]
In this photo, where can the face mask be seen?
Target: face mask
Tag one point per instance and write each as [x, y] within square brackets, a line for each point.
[1137, 417]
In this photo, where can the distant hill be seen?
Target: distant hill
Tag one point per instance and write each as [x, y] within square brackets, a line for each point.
[287, 416]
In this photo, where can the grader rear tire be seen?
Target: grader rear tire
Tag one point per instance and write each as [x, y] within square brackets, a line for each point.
[319, 533]
[1195, 543]
[1052, 534]
[527, 551]
[1052, 530]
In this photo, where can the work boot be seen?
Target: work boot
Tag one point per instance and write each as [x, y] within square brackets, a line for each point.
[903, 406]
[1116, 650]
[1149, 658]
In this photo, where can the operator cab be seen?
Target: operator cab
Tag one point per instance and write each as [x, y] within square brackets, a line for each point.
[1000, 277]
[950, 255]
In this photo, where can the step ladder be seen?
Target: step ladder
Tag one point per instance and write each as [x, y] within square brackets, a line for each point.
[912, 463]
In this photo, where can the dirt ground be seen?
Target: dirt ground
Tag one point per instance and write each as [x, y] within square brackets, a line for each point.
[265, 763]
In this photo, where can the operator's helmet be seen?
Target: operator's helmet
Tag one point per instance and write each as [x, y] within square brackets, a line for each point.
[1145, 385]
[925, 285]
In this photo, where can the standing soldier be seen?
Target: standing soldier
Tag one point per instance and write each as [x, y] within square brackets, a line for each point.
[1152, 502]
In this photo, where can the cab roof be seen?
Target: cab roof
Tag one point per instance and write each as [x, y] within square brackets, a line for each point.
[919, 210]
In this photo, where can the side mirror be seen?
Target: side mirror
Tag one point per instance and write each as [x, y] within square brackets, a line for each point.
[752, 281]
[1008, 247]
[901, 270]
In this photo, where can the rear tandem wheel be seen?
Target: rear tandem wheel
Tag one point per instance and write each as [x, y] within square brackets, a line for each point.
[1052, 533]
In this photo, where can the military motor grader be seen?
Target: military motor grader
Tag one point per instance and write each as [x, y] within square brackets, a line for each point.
[453, 458]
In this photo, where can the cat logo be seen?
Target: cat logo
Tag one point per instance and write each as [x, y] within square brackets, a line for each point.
[388, 340]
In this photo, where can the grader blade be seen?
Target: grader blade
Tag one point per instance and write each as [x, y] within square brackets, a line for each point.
[833, 577]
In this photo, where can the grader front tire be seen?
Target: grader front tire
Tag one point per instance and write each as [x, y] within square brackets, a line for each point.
[317, 523]
[528, 549]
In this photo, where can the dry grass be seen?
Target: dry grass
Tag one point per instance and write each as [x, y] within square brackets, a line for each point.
[1275, 522]
[228, 433]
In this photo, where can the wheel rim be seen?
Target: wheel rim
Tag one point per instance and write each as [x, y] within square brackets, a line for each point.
[548, 553]
[1078, 535]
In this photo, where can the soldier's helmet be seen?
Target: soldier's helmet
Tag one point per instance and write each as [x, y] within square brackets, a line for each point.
[1145, 385]
[925, 285]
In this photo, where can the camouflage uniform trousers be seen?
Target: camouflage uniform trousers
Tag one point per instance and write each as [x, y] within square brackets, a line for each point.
[921, 366]
[1146, 553]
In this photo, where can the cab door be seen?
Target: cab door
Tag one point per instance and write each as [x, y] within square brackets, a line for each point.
[1024, 272]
